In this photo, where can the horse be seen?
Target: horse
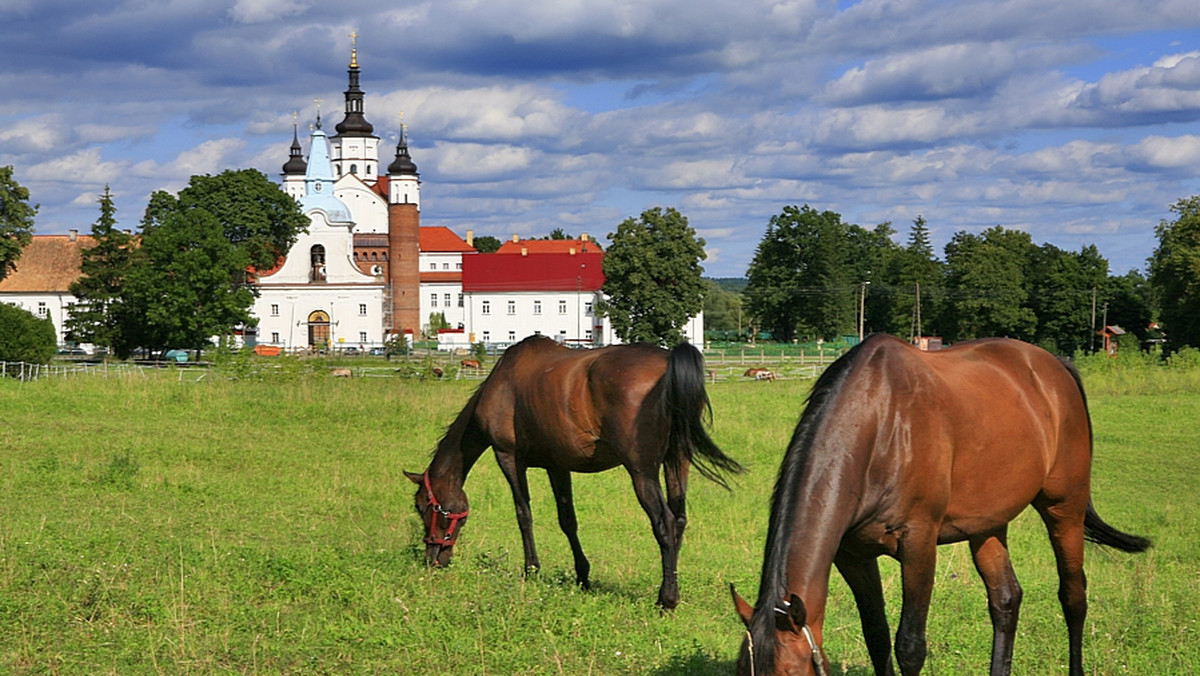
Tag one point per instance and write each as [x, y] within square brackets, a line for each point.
[899, 451]
[759, 374]
[544, 405]
[470, 363]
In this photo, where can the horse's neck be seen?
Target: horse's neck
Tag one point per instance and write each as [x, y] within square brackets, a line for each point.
[458, 450]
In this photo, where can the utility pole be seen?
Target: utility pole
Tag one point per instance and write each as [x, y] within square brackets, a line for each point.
[1092, 344]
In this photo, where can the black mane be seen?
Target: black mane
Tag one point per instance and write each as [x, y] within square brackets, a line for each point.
[774, 571]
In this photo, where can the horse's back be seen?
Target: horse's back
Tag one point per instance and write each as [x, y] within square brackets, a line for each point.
[980, 429]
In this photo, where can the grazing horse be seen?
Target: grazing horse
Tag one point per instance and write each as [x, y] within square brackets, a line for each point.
[470, 363]
[760, 374]
[544, 405]
[899, 451]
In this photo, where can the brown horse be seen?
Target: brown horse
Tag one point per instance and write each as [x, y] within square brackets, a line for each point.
[544, 405]
[760, 374]
[899, 451]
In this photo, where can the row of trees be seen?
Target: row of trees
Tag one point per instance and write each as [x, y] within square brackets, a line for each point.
[815, 276]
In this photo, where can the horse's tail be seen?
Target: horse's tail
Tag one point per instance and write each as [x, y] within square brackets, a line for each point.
[1094, 528]
[1097, 531]
[686, 406]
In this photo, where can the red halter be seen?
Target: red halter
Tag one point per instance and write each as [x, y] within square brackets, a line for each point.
[455, 518]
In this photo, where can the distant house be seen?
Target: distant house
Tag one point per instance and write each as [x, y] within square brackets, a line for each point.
[43, 277]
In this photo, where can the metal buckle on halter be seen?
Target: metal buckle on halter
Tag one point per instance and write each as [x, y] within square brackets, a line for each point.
[818, 659]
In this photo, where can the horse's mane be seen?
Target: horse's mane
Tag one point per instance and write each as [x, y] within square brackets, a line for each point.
[783, 501]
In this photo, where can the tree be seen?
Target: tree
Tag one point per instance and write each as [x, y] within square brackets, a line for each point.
[987, 285]
[811, 271]
[16, 220]
[254, 213]
[1175, 273]
[25, 337]
[918, 282]
[486, 244]
[722, 308]
[103, 267]
[1061, 285]
[187, 283]
[652, 277]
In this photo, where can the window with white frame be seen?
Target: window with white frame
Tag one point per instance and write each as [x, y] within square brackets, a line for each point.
[562, 307]
[587, 335]
[537, 307]
[512, 307]
[446, 299]
[274, 309]
[460, 300]
[445, 266]
[42, 310]
[362, 309]
[362, 336]
[487, 336]
[274, 336]
[485, 308]
[433, 300]
[512, 336]
[433, 266]
[587, 308]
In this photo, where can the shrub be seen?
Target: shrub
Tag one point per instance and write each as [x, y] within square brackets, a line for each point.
[24, 337]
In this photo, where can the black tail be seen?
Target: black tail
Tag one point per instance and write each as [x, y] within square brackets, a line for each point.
[686, 405]
[1097, 531]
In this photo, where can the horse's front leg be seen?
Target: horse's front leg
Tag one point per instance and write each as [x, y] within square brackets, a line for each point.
[918, 560]
[515, 474]
[862, 576]
[649, 494]
[560, 481]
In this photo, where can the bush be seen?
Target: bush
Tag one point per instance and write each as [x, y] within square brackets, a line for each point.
[24, 337]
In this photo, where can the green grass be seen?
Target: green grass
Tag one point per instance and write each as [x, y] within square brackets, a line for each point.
[160, 524]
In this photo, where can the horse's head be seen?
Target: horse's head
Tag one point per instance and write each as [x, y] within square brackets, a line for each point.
[792, 649]
[443, 519]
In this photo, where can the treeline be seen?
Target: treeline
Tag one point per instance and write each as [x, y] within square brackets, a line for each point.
[814, 276]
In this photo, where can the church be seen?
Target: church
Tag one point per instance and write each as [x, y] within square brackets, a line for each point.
[367, 271]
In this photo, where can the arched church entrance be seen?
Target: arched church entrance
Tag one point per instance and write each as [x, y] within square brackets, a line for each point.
[318, 329]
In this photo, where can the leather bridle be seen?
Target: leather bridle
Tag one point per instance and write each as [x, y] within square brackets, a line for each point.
[455, 518]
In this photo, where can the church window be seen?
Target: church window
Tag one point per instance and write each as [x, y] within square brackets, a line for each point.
[354, 169]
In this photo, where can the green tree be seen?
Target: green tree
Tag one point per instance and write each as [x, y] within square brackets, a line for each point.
[1061, 295]
[811, 270]
[722, 308]
[16, 220]
[918, 279]
[1127, 301]
[652, 277]
[254, 213]
[987, 285]
[25, 337]
[186, 284]
[1175, 273]
[94, 318]
[486, 244]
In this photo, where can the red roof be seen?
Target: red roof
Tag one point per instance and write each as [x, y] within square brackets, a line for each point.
[534, 272]
[440, 239]
[49, 264]
[548, 246]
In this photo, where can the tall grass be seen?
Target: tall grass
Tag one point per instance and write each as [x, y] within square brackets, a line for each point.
[264, 525]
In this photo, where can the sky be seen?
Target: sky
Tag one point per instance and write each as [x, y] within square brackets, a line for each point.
[1077, 121]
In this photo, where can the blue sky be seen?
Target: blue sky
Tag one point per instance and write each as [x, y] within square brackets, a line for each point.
[1076, 121]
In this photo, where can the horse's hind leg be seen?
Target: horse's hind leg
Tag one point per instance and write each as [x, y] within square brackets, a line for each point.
[918, 560]
[677, 481]
[862, 576]
[1065, 526]
[649, 494]
[560, 481]
[520, 490]
[1004, 595]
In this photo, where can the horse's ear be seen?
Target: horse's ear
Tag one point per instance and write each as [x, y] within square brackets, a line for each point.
[797, 613]
[417, 479]
[744, 610]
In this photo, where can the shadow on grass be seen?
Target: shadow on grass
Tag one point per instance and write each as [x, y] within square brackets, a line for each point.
[700, 663]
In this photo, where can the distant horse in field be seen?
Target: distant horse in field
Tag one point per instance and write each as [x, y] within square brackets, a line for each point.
[760, 374]
[899, 451]
[544, 405]
[470, 363]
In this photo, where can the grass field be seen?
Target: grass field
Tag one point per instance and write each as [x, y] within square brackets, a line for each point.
[160, 524]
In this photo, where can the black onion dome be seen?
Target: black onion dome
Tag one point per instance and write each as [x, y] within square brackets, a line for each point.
[403, 164]
[295, 163]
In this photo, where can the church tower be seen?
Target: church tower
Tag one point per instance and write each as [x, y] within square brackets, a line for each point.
[355, 148]
[404, 241]
[295, 168]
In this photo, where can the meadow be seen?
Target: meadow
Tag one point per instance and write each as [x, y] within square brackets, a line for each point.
[187, 522]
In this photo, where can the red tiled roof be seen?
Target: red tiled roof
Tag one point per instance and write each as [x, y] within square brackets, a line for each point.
[49, 264]
[440, 239]
[534, 272]
[548, 246]
[431, 277]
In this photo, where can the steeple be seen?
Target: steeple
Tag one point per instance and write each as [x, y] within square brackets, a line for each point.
[404, 183]
[354, 124]
[355, 147]
[403, 164]
[295, 168]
